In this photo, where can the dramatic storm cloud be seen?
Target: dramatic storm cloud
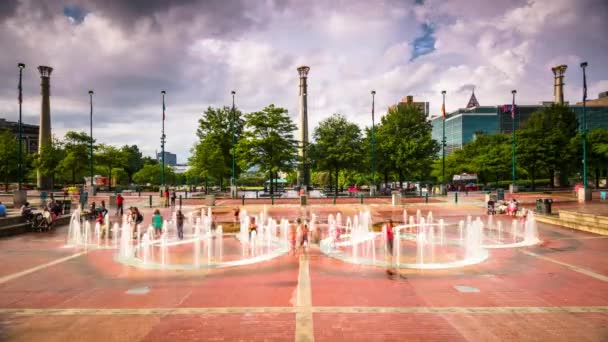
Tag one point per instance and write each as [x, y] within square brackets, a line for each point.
[198, 51]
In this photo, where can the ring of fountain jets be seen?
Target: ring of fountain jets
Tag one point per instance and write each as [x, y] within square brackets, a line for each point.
[424, 243]
[200, 247]
[419, 242]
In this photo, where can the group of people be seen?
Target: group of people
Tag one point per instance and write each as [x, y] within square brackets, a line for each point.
[169, 198]
[45, 219]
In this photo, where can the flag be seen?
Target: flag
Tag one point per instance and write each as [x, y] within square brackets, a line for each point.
[443, 110]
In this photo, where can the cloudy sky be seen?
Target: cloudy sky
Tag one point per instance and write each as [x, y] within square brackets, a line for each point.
[198, 51]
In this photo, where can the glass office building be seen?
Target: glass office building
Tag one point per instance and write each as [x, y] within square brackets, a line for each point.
[463, 125]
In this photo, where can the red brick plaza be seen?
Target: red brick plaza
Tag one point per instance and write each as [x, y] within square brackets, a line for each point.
[555, 291]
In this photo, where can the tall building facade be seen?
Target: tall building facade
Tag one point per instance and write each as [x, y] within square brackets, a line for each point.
[170, 158]
[30, 134]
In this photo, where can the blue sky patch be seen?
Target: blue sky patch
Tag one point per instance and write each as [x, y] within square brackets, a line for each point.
[75, 13]
[425, 43]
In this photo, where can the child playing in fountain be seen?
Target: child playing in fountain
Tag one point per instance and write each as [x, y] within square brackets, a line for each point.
[253, 227]
[179, 218]
[292, 236]
[304, 237]
[157, 223]
[389, 247]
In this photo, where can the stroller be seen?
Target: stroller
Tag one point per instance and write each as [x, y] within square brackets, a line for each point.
[491, 208]
[43, 221]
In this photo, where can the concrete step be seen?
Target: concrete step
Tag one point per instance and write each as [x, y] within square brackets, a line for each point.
[571, 221]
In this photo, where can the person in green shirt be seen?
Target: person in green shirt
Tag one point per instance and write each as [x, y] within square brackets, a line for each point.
[157, 223]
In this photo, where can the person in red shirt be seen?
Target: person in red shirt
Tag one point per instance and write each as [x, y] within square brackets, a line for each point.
[166, 196]
[119, 204]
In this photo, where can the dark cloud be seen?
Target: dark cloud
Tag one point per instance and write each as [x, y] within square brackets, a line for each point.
[7, 8]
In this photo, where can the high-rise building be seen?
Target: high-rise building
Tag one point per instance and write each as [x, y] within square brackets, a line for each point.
[409, 100]
[170, 158]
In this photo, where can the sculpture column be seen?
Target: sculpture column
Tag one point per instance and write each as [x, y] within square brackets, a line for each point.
[303, 172]
[44, 134]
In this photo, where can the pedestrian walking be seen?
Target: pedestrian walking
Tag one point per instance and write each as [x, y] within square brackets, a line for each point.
[179, 217]
[119, 204]
[166, 197]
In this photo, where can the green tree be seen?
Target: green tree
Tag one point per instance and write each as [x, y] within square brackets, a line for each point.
[150, 173]
[405, 133]
[9, 156]
[133, 160]
[549, 130]
[597, 152]
[212, 154]
[48, 159]
[268, 142]
[75, 165]
[337, 147]
[109, 157]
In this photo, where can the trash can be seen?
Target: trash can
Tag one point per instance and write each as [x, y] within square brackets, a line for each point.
[500, 194]
[43, 195]
[603, 195]
[210, 200]
[303, 199]
[539, 205]
[547, 206]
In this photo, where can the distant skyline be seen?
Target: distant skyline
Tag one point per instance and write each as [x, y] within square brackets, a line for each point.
[198, 51]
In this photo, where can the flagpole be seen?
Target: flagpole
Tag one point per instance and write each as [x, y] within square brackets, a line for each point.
[443, 144]
[21, 66]
[583, 66]
[513, 189]
[162, 145]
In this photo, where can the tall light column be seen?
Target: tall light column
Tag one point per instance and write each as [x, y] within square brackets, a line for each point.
[20, 98]
[513, 187]
[233, 191]
[44, 135]
[443, 144]
[372, 190]
[303, 176]
[162, 145]
[91, 145]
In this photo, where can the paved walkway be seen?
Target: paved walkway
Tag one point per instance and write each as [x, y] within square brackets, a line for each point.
[556, 291]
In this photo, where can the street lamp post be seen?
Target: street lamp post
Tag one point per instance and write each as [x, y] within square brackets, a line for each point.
[513, 168]
[91, 143]
[162, 144]
[443, 145]
[21, 67]
[233, 193]
[373, 187]
[584, 127]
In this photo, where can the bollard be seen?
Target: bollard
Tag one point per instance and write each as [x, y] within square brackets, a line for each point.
[334, 199]
[150, 199]
[272, 198]
[186, 193]
[140, 193]
[456, 197]
[180, 202]
[426, 198]
[243, 199]
[256, 194]
[361, 198]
